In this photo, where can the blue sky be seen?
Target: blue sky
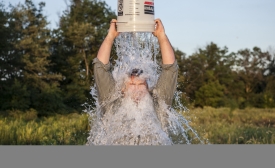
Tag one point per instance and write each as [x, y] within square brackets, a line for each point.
[237, 24]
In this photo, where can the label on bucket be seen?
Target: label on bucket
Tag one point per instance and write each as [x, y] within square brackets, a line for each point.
[120, 7]
[149, 8]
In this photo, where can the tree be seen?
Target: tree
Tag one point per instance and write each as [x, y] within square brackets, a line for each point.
[252, 66]
[269, 93]
[207, 67]
[10, 64]
[83, 27]
[210, 93]
[34, 51]
[4, 44]
[16, 96]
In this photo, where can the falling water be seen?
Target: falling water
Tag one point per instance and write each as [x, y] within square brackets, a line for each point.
[128, 123]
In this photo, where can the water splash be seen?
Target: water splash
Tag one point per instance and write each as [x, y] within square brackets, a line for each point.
[126, 123]
[140, 51]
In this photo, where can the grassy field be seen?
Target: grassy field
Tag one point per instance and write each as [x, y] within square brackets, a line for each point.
[226, 126]
[218, 126]
[27, 129]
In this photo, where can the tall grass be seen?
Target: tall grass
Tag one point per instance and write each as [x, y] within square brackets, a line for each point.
[26, 129]
[218, 126]
[227, 126]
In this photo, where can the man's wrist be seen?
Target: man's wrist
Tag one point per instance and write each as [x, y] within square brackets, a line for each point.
[162, 36]
[110, 37]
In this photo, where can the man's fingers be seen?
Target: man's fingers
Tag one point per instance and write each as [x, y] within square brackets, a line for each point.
[157, 20]
[113, 21]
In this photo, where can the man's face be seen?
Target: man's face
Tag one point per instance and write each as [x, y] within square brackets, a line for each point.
[136, 88]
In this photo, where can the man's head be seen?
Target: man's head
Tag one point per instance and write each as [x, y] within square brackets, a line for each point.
[135, 86]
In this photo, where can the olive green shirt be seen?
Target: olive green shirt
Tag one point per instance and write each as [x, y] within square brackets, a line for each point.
[164, 89]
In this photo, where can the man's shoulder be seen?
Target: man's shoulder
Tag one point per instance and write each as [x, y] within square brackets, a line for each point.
[98, 64]
[170, 67]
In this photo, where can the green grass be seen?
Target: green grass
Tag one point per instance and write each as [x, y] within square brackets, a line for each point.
[21, 129]
[226, 126]
[218, 126]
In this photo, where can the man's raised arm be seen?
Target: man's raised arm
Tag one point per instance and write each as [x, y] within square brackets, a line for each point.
[103, 77]
[167, 82]
[105, 49]
[167, 52]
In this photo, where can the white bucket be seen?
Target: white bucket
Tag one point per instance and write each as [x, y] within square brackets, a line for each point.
[135, 16]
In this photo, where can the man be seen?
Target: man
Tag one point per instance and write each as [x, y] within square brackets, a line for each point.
[119, 122]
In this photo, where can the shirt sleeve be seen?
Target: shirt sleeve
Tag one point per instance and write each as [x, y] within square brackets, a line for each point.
[167, 83]
[104, 80]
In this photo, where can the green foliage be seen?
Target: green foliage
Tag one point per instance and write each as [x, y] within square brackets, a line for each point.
[82, 29]
[216, 78]
[205, 69]
[15, 97]
[9, 66]
[51, 72]
[48, 101]
[250, 70]
[4, 34]
[40, 85]
[210, 94]
[34, 44]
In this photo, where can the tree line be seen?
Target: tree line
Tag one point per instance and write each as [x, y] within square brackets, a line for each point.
[50, 70]
[214, 77]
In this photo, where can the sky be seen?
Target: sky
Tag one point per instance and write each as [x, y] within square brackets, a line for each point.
[189, 25]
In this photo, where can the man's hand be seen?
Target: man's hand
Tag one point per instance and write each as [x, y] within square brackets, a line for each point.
[159, 31]
[167, 52]
[105, 49]
[112, 30]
